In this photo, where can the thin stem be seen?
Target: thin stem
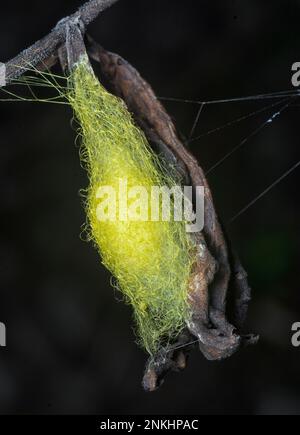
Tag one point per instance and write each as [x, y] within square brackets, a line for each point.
[47, 46]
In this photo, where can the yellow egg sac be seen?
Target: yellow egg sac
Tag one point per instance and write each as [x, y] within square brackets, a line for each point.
[151, 260]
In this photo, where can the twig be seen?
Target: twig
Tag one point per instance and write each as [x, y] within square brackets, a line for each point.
[47, 47]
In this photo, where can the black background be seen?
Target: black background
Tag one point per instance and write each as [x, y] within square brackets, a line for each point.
[70, 346]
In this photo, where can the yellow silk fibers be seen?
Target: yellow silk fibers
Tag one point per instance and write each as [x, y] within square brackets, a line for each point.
[151, 261]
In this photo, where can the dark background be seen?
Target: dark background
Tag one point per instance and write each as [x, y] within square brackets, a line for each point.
[70, 346]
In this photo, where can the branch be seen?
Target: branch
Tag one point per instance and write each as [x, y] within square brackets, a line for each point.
[45, 48]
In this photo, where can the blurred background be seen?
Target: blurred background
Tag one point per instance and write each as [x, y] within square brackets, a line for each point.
[70, 344]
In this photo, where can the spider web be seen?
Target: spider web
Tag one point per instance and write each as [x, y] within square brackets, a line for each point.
[282, 101]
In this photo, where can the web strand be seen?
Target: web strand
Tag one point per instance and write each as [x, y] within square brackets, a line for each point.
[265, 192]
[235, 121]
[275, 95]
[196, 122]
[250, 136]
